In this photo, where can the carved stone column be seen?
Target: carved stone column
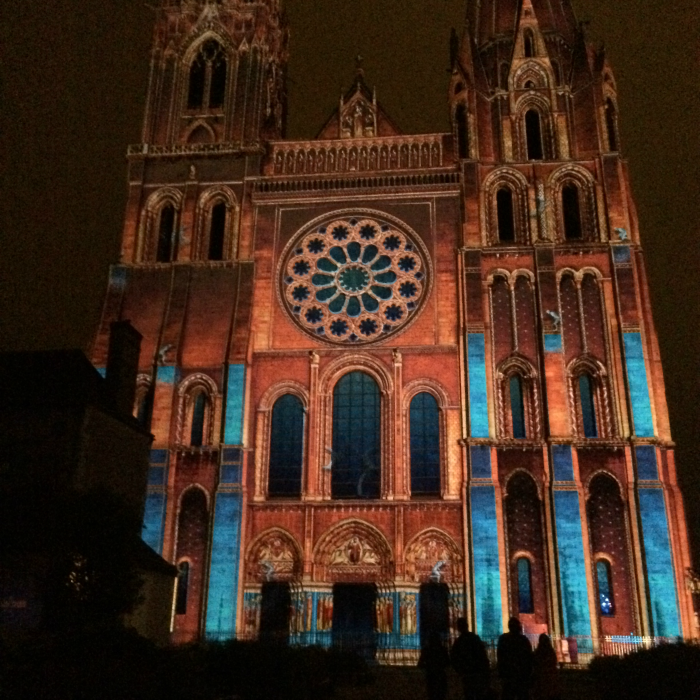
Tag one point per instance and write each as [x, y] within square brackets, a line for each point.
[313, 432]
[397, 460]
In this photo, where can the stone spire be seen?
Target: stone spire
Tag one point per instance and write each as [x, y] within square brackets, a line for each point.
[498, 19]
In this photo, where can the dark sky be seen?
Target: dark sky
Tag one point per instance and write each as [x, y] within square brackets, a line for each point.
[73, 78]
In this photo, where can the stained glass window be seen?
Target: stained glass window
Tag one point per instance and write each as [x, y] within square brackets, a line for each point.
[605, 589]
[355, 463]
[354, 280]
[425, 445]
[198, 414]
[525, 602]
[585, 385]
[517, 407]
[286, 447]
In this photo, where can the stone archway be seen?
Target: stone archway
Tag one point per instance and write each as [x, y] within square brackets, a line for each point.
[424, 554]
[274, 556]
[353, 552]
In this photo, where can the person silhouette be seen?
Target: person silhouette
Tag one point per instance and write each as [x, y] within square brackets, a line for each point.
[470, 660]
[514, 662]
[434, 660]
[545, 672]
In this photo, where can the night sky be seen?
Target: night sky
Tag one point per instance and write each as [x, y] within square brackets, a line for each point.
[73, 80]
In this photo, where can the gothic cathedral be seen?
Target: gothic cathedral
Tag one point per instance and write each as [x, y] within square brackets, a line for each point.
[395, 379]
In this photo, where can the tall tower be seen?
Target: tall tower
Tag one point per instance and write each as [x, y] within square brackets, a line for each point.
[396, 379]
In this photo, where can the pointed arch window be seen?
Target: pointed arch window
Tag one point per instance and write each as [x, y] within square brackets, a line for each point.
[533, 135]
[217, 231]
[587, 405]
[506, 215]
[517, 407]
[425, 445]
[462, 131]
[529, 43]
[525, 601]
[183, 585]
[571, 208]
[207, 78]
[286, 447]
[606, 598]
[611, 124]
[356, 454]
[197, 413]
[199, 409]
[167, 235]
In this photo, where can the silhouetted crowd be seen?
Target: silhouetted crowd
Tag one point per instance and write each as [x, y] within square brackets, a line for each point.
[524, 674]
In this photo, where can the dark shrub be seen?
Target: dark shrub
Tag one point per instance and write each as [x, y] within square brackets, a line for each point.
[668, 672]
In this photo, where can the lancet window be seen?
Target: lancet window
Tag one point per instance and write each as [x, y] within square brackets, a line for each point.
[286, 447]
[425, 445]
[356, 452]
[167, 243]
[207, 78]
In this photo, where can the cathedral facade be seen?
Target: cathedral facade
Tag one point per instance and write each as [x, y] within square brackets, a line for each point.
[395, 379]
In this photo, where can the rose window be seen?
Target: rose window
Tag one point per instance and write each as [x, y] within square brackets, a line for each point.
[354, 280]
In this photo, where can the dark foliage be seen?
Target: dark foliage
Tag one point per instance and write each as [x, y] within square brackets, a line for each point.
[669, 672]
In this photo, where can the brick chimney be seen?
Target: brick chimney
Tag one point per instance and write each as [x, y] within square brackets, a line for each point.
[123, 364]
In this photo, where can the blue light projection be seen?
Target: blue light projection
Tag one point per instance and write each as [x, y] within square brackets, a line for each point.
[235, 397]
[223, 575]
[487, 573]
[638, 384]
[154, 511]
[563, 463]
[481, 461]
[478, 397]
[647, 469]
[622, 255]
[572, 565]
[553, 342]
[660, 574]
[154, 521]
[166, 375]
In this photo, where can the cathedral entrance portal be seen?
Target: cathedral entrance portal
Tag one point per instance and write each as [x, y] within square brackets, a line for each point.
[275, 607]
[434, 611]
[354, 617]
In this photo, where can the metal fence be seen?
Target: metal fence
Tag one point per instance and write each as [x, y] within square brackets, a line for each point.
[404, 650]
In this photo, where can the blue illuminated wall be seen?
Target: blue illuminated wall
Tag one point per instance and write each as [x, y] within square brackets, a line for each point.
[638, 385]
[572, 563]
[478, 397]
[235, 398]
[226, 534]
[154, 513]
[223, 574]
[487, 573]
[657, 548]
